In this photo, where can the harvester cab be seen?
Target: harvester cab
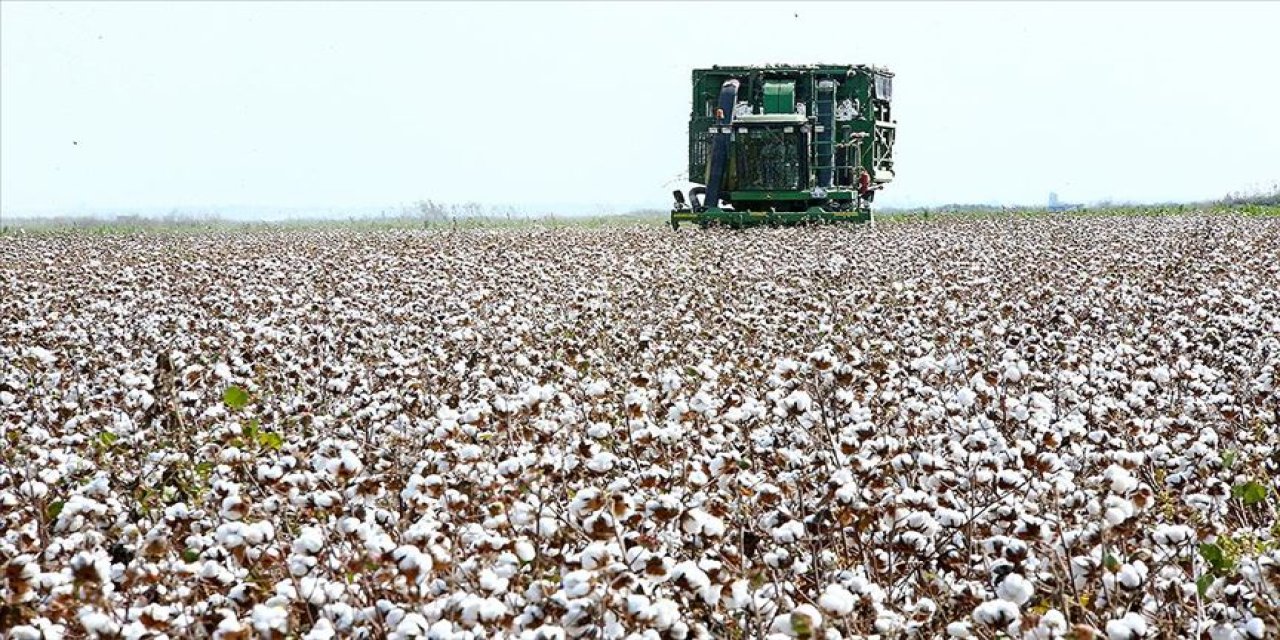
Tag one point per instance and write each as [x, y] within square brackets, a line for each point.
[785, 144]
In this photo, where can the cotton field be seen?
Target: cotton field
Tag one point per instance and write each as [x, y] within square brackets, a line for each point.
[1038, 428]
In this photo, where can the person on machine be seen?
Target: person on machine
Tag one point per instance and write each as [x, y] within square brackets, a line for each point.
[865, 190]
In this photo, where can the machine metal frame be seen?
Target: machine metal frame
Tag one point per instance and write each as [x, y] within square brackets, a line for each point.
[787, 144]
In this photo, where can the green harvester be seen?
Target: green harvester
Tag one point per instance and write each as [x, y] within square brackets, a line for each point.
[787, 144]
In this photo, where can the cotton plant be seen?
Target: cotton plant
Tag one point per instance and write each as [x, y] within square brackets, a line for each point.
[1043, 428]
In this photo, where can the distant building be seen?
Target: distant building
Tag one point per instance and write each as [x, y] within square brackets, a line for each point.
[1057, 205]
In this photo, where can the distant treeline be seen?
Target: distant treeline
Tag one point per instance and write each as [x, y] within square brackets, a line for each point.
[1266, 196]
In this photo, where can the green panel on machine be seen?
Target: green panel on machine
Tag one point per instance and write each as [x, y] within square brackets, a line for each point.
[781, 144]
[765, 158]
[779, 97]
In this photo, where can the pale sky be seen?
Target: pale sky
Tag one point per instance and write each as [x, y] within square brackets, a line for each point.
[337, 105]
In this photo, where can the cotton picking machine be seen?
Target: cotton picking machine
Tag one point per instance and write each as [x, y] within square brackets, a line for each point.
[785, 144]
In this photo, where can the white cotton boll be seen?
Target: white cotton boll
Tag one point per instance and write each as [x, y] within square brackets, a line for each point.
[413, 625]
[1015, 588]
[1117, 510]
[602, 461]
[699, 522]
[491, 582]
[525, 551]
[490, 609]
[96, 566]
[309, 540]
[1122, 482]
[586, 502]
[230, 627]
[267, 618]
[805, 620]
[546, 632]
[321, 630]
[230, 534]
[97, 623]
[789, 532]
[1053, 620]
[1131, 627]
[350, 464]
[837, 600]
[1131, 576]
[1223, 631]
[548, 526]
[665, 614]
[949, 517]
[234, 507]
[33, 489]
[1254, 629]
[1172, 535]
[286, 591]
[577, 584]
[300, 565]
[959, 630]
[43, 355]
[798, 401]
[996, 613]
[312, 590]
[693, 578]
[410, 558]
[639, 606]
[24, 632]
[737, 596]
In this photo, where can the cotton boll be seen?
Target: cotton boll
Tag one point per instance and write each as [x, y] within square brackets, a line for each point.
[1132, 576]
[97, 623]
[268, 619]
[737, 596]
[837, 600]
[24, 632]
[309, 540]
[525, 551]
[803, 621]
[414, 625]
[491, 582]
[321, 630]
[698, 522]
[1172, 535]
[602, 462]
[1254, 629]
[1054, 621]
[687, 575]
[1015, 589]
[789, 532]
[1117, 510]
[996, 613]
[577, 584]
[1131, 627]
[665, 614]
[410, 559]
[350, 464]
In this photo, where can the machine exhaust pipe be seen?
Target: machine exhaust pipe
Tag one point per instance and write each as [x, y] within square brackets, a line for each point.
[824, 142]
[720, 148]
